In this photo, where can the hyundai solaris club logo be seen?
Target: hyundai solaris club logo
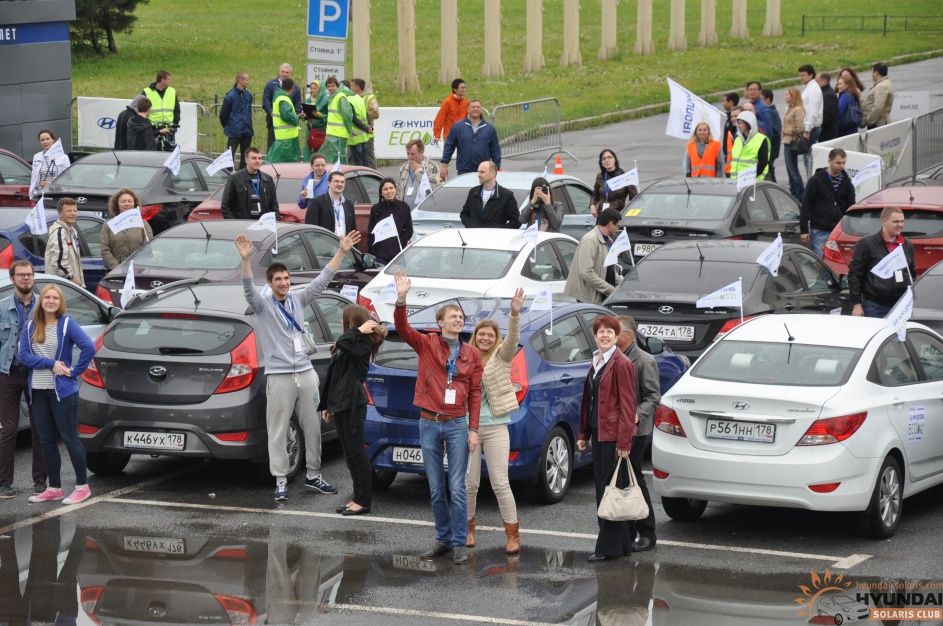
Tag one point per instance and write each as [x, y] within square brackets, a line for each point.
[829, 599]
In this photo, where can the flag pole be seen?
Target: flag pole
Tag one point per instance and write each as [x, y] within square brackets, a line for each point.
[549, 331]
[625, 229]
[740, 280]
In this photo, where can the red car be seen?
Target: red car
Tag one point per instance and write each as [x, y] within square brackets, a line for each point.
[923, 212]
[363, 188]
[14, 180]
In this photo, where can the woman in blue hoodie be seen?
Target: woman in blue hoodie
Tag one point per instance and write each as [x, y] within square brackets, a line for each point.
[54, 386]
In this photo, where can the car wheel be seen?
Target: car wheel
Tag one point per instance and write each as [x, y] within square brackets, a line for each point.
[882, 517]
[556, 463]
[382, 479]
[683, 509]
[107, 463]
[296, 448]
[839, 620]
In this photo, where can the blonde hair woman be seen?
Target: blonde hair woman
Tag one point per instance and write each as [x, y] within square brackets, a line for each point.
[793, 127]
[498, 401]
[703, 156]
[116, 248]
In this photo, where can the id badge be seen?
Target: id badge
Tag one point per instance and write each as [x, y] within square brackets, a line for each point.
[409, 190]
[450, 396]
[298, 347]
[899, 276]
[605, 205]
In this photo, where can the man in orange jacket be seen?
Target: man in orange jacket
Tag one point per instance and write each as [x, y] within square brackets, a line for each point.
[454, 108]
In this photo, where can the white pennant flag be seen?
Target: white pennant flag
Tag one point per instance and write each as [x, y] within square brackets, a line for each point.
[620, 245]
[530, 234]
[543, 301]
[746, 178]
[624, 180]
[55, 150]
[337, 166]
[891, 263]
[869, 171]
[130, 289]
[544, 175]
[125, 220]
[687, 110]
[173, 162]
[424, 188]
[36, 218]
[384, 229]
[350, 292]
[898, 316]
[266, 222]
[771, 257]
[386, 295]
[222, 161]
[731, 295]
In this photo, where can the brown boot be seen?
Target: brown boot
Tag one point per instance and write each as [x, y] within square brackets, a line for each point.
[470, 542]
[514, 538]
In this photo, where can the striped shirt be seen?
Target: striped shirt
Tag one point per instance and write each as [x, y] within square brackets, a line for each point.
[44, 378]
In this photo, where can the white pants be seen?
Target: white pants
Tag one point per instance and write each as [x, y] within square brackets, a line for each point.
[292, 394]
[496, 444]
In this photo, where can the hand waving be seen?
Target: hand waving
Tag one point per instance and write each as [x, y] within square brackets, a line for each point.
[403, 284]
[517, 301]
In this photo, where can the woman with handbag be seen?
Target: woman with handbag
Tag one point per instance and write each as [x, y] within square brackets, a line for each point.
[849, 99]
[345, 398]
[793, 128]
[607, 425]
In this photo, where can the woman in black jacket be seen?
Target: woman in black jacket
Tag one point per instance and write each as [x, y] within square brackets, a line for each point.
[603, 198]
[388, 205]
[345, 397]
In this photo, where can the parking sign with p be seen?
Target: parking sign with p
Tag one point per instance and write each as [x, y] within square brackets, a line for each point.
[328, 18]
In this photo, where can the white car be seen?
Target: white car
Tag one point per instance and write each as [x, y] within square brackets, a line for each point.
[819, 412]
[473, 263]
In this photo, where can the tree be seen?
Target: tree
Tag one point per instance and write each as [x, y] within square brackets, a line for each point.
[95, 19]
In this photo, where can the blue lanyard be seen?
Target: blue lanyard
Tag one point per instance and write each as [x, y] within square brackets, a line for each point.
[605, 184]
[290, 319]
[450, 363]
[412, 177]
[51, 169]
[257, 184]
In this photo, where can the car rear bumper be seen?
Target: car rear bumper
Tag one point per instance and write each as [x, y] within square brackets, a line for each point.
[764, 480]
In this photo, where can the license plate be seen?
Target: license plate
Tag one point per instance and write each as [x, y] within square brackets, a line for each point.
[157, 441]
[412, 456]
[412, 563]
[157, 545]
[668, 332]
[741, 431]
[641, 249]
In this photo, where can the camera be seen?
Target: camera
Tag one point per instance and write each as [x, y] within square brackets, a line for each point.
[545, 189]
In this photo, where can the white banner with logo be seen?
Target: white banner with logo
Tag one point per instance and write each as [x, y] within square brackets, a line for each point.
[893, 144]
[848, 143]
[397, 126]
[98, 119]
[910, 104]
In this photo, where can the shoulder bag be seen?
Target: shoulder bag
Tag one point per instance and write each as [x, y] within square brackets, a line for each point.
[800, 145]
[622, 505]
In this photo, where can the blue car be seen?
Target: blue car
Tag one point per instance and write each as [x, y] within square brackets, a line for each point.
[548, 372]
[17, 243]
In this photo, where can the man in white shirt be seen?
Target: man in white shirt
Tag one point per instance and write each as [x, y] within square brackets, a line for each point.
[813, 103]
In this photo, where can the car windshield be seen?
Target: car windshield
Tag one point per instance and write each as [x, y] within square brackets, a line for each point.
[174, 334]
[688, 277]
[679, 206]
[107, 176]
[928, 292]
[773, 363]
[916, 223]
[184, 253]
[452, 263]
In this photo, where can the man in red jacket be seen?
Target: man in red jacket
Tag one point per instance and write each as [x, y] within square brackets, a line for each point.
[448, 387]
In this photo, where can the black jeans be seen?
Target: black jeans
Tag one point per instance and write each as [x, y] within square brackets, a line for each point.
[350, 432]
[12, 387]
[644, 527]
[243, 144]
[615, 538]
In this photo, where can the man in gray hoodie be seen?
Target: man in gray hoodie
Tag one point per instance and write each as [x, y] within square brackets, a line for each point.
[291, 382]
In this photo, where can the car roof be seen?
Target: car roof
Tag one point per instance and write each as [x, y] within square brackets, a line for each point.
[508, 180]
[17, 157]
[229, 229]
[213, 298]
[904, 197]
[701, 186]
[14, 217]
[499, 309]
[841, 331]
[725, 250]
[300, 170]
[483, 238]
[133, 157]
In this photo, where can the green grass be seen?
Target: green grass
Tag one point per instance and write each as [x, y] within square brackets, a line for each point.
[204, 42]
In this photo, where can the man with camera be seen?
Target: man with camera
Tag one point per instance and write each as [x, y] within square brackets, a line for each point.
[249, 192]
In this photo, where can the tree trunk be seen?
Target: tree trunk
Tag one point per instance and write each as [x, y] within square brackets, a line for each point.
[96, 44]
[112, 46]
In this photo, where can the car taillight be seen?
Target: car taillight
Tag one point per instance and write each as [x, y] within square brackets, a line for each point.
[231, 553]
[230, 437]
[239, 611]
[519, 376]
[6, 253]
[832, 430]
[148, 211]
[104, 294]
[735, 238]
[88, 598]
[657, 473]
[367, 303]
[91, 375]
[824, 487]
[245, 365]
[832, 252]
[369, 397]
[85, 429]
[729, 326]
[667, 422]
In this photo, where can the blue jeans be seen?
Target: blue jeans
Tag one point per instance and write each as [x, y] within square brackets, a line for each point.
[817, 239]
[451, 519]
[54, 415]
[807, 157]
[873, 309]
[357, 154]
[792, 169]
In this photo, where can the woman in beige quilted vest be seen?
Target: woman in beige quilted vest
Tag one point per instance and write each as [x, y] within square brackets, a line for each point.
[498, 401]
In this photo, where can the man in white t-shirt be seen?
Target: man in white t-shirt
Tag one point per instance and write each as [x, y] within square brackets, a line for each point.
[813, 103]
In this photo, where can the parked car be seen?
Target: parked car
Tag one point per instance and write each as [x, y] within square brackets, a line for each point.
[180, 373]
[206, 250]
[471, 263]
[363, 189]
[88, 311]
[548, 372]
[18, 243]
[166, 200]
[661, 292]
[928, 298]
[923, 225]
[699, 209]
[14, 180]
[442, 207]
[817, 412]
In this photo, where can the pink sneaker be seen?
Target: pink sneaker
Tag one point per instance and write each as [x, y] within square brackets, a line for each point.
[81, 494]
[49, 495]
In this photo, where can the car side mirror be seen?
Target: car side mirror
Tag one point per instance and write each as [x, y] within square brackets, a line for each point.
[113, 312]
[655, 345]
[369, 261]
[842, 282]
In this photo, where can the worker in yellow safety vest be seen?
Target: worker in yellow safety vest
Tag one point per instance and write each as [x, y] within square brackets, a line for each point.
[285, 125]
[340, 121]
[359, 87]
[750, 148]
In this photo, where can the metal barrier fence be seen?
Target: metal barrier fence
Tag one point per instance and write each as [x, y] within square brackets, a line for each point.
[928, 141]
[871, 23]
[527, 127]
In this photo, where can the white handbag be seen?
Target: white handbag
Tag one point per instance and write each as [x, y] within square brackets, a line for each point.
[622, 505]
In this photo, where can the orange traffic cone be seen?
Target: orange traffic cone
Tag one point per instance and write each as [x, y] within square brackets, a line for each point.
[558, 166]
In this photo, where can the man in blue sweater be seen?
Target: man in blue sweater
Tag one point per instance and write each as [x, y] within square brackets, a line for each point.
[476, 141]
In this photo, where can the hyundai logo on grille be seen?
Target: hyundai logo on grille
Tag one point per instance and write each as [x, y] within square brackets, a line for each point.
[157, 283]
[741, 405]
[157, 370]
[422, 294]
[81, 199]
[658, 233]
[666, 309]
[107, 123]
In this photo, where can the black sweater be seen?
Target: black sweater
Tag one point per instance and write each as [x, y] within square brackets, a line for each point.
[864, 285]
[342, 388]
[822, 205]
[501, 211]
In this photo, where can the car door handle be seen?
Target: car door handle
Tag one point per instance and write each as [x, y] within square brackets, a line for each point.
[897, 402]
[789, 306]
[566, 379]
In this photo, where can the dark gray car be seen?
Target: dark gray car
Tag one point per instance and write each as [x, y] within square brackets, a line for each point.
[181, 373]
